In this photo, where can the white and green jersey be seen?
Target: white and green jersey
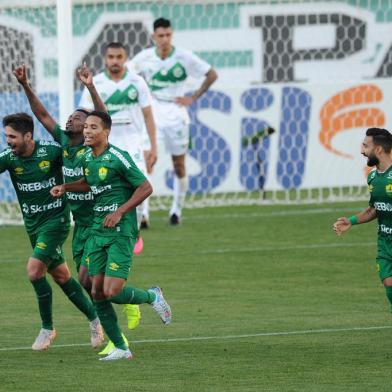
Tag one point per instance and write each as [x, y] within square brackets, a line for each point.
[33, 177]
[124, 101]
[167, 80]
[380, 189]
[113, 177]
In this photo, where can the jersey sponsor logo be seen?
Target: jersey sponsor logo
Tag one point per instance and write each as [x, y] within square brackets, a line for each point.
[37, 208]
[36, 186]
[18, 171]
[380, 206]
[69, 172]
[99, 189]
[108, 208]
[102, 173]
[44, 166]
[48, 143]
[114, 266]
[73, 196]
[385, 229]
[120, 157]
[42, 152]
[41, 245]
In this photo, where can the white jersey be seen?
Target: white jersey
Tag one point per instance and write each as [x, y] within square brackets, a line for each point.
[124, 101]
[166, 79]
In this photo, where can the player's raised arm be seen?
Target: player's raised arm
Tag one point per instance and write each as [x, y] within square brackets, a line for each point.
[86, 77]
[343, 224]
[36, 105]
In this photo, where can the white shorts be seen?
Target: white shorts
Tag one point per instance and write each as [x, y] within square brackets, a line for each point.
[131, 142]
[175, 138]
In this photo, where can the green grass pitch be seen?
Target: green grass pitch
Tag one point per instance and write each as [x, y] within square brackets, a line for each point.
[263, 299]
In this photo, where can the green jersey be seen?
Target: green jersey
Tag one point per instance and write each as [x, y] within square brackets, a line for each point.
[113, 177]
[81, 204]
[380, 188]
[33, 177]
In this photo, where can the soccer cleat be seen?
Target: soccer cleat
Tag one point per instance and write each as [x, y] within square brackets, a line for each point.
[97, 337]
[44, 339]
[110, 346]
[133, 315]
[161, 306]
[174, 219]
[144, 224]
[138, 246]
[117, 353]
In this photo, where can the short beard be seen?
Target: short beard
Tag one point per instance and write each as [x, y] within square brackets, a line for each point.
[373, 161]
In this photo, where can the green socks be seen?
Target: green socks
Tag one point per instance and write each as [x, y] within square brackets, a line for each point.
[44, 296]
[73, 290]
[388, 291]
[108, 319]
[132, 295]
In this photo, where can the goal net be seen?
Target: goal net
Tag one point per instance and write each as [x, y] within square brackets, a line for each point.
[299, 82]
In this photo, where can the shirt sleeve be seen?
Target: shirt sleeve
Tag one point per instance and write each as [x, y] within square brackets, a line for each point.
[86, 102]
[58, 135]
[196, 67]
[129, 170]
[145, 99]
[4, 161]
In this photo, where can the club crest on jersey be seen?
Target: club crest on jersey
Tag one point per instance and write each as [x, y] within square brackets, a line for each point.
[18, 171]
[41, 152]
[44, 166]
[388, 190]
[132, 93]
[102, 173]
[178, 71]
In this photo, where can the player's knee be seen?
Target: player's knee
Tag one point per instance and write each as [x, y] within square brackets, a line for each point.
[111, 292]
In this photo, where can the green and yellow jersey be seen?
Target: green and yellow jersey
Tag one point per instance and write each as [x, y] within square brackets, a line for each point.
[112, 177]
[33, 177]
[81, 204]
[380, 189]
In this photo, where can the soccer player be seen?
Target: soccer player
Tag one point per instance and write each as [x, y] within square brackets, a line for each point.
[166, 69]
[35, 167]
[376, 147]
[118, 187]
[72, 142]
[128, 101]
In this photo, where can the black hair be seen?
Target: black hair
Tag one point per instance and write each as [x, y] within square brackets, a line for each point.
[381, 137]
[115, 45]
[86, 112]
[161, 22]
[105, 118]
[20, 122]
